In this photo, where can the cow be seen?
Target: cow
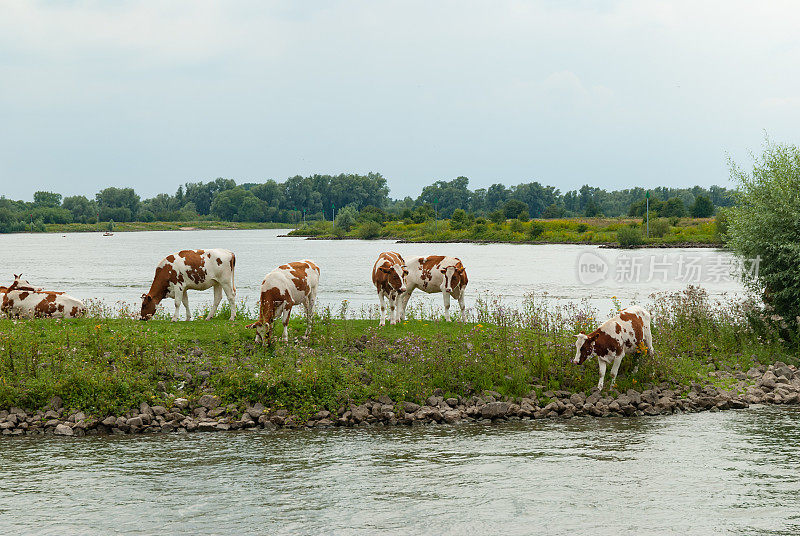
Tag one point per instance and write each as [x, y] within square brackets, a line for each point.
[436, 274]
[192, 270]
[283, 288]
[389, 277]
[626, 333]
[24, 300]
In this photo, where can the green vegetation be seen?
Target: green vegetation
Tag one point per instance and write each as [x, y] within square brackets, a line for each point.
[158, 226]
[766, 226]
[108, 364]
[571, 231]
[351, 198]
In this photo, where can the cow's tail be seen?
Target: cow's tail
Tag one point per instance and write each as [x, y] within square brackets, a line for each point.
[233, 270]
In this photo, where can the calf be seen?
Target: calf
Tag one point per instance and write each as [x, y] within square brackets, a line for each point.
[389, 277]
[623, 334]
[436, 274]
[23, 300]
[192, 270]
[283, 288]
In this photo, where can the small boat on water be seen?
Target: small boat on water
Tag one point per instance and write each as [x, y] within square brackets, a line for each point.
[108, 233]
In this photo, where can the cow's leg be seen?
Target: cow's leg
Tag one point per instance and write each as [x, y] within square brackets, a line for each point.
[404, 301]
[309, 306]
[648, 340]
[393, 308]
[381, 297]
[217, 299]
[446, 298]
[615, 367]
[287, 312]
[178, 301]
[461, 305]
[601, 365]
[186, 305]
[230, 293]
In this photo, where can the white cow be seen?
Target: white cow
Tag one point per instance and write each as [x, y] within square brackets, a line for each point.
[389, 277]
[24, 300]
[436, 274]
[283, 288]
[623, 334]
[192, 270]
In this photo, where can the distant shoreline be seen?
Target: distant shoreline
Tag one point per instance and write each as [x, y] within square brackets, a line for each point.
[127, 227]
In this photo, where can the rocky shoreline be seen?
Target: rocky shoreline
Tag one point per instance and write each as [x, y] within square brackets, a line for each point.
[775, 384]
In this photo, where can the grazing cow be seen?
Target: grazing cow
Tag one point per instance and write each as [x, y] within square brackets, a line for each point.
[436, 274]
[624, 334]
[24, 300]
[389, 277]
[192, 270]
[283, 288]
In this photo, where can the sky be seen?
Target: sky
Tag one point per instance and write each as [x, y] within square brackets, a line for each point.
[613, 94]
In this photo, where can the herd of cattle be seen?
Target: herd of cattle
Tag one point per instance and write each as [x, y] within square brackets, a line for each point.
[296, 283]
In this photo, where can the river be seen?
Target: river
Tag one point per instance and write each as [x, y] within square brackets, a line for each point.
[121, 267]
[733, 472]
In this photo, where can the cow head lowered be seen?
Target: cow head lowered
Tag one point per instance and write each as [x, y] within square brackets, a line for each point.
[454, 277]
[271, 300]
[584, 345]
[148, 307]
[395, 275]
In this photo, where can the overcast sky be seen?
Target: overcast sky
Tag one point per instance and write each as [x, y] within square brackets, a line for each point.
[155, 94]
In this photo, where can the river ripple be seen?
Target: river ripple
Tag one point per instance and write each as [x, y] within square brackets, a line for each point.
[732, 472]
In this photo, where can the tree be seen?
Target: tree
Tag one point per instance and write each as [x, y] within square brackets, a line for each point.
[47, 199]
[673, 207]
[591, 209]
[765, 225]
[346, 218]
[703, 207]
[83, 210]
[513, 208]
[460, 220]
[120, 204]
[553, 211]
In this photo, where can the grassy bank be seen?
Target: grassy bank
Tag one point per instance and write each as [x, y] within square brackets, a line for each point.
[691, 231]
[121, 227]
[107, 365]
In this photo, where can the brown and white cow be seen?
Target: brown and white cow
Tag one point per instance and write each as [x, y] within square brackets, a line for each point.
[192, 270]
[283, 288]
[626, 333]
[436, 274]
[389, 277]
[24, 300]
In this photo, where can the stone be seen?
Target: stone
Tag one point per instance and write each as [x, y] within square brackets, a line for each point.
[359, 413]
[384, 399]
[55, 403]
[451, 415]
[410, 407]
[206, 426]
[209, 401]
[63, 429]
[434, 400]
[255, 410]
[135, 421]
[159, 410]
[181, 403]
[109, 421]
[144, 407]
[494, 410]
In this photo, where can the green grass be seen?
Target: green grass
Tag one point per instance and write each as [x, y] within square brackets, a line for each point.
[109, 365]
[570, 231]
[120, 227]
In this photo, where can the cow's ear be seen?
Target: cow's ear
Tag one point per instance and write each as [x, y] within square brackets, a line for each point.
[384, 269]
[254, 324]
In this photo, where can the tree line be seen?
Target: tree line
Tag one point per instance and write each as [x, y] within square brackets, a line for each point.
[323, 196]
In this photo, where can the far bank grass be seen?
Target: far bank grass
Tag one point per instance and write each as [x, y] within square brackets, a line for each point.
[122, 227]
[693, 231]
[109, 365]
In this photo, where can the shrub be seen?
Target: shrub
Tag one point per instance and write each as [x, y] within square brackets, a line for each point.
[369, 230]
[703, 207]
[517, 226]
[581, 228]
[460, 220]
[524, 216]
[536, 230]
[629, 236]
[497, 216]
[346, 218]
[721, 225]
[765, 224]
[659, 227]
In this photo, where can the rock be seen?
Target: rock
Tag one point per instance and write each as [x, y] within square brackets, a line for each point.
[452, 402]
[166, 428]
[410, 407]
[434, 400]
[209, 401]
[159, 410]
[206, 426]
[55, 403]
[63, 429]
[359, 413]
[161, 387]
[144, 407]
[135, 421]
[384, 399]
[451, 415]
[494, 410]
[223, 426]
[577, 399]
[181, 403]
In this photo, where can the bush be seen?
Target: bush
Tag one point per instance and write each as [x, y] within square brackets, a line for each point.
[703, 207]
[346, 218]
[517, 226]
[581, 228]
[659, 227]
[524, 216]
[629, 236]
[765, 224]
[536, 230]
[369, 230]
[497, 216]
[721, 225]
[460, 220]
